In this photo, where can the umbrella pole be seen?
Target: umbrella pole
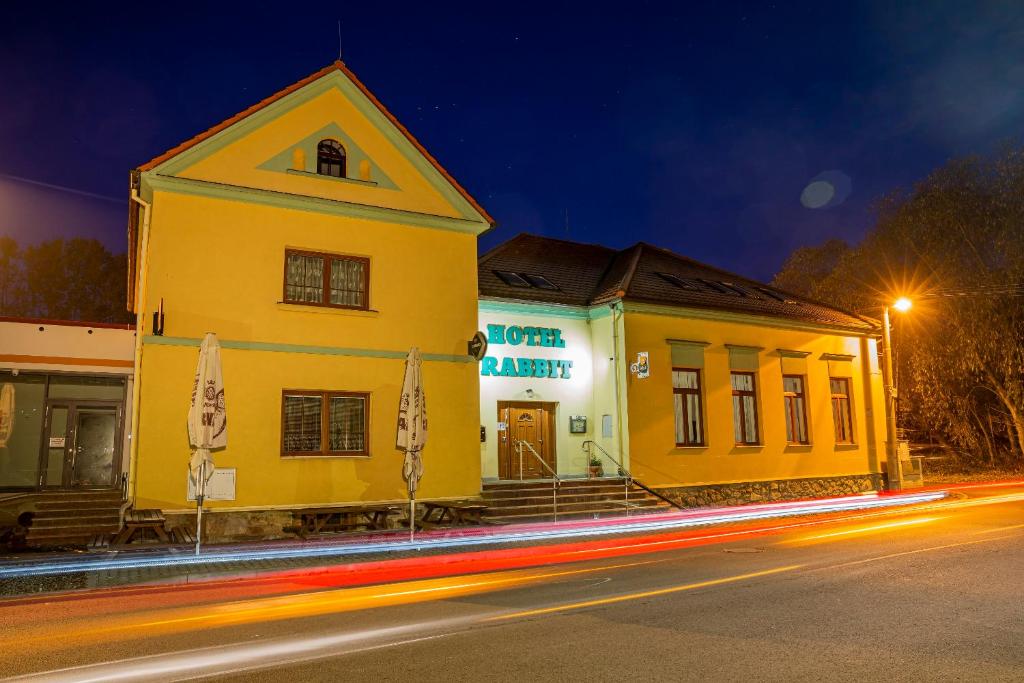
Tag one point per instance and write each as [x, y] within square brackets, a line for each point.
[412, 517]
[200, 490]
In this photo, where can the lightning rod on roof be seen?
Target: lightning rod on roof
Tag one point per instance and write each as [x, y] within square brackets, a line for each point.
[339, 40]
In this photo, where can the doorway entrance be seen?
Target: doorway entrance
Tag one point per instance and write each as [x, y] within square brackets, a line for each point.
[533, 424]
[81, 445]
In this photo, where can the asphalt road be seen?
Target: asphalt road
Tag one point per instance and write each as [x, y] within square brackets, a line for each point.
[930, 593]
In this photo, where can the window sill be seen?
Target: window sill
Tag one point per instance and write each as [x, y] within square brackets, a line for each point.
[329, 310]
[325, 456]
[748, 445]
[847, 446]
[799, 448]
[690, 448]
[353, 181]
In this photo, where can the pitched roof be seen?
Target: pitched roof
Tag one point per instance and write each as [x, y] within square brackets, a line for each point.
[591, 274]
[298, 85]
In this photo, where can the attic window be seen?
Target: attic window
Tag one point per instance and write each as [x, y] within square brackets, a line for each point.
[512, 279]
[330, 158]
[679, 282]
[770, 294]
[540, 282]
[734, 288]
[720, 287]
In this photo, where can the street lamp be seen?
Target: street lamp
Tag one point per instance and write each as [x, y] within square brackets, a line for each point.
[903, 304]
[894, 468]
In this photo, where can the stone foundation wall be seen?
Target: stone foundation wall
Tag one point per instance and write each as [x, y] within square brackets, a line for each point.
[225, 527]
[717, 495]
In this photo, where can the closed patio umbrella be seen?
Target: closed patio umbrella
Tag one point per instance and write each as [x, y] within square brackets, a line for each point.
[412, 429]
[6, 413]
[207, 421]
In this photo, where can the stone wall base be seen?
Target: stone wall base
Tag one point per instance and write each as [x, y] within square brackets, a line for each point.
[226, 527]
[717, 495]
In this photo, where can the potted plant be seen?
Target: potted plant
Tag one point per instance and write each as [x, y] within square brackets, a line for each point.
[595, 467]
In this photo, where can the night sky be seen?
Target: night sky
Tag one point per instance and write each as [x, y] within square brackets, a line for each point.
[731, 132]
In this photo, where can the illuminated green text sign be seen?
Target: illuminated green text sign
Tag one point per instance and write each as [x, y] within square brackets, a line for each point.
[514, 335]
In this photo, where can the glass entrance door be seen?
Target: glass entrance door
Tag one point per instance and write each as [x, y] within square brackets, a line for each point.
[81, 445]
[94, 449]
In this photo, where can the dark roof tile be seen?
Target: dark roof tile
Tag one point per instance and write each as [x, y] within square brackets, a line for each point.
[588, 274]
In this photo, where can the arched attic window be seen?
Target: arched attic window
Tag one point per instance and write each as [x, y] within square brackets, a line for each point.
[330, 158]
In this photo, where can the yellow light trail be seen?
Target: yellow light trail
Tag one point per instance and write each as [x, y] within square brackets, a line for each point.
[645, 594]
[846, 533]
[292, 606]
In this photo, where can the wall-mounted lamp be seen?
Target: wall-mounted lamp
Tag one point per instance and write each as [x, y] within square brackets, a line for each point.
[158, 319]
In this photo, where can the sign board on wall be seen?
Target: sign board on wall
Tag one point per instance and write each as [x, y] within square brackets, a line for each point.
[515, 335]
[220, 487]
[642, 367]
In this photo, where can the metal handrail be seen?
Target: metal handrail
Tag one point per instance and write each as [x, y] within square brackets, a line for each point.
[520, 443]
[590, 452]
[555, 482]
[629, 477]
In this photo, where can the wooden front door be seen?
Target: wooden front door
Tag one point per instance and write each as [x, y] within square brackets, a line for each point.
[531, 423]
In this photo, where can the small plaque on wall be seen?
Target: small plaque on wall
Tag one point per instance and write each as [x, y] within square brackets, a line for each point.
[221, 485]
[577, 424]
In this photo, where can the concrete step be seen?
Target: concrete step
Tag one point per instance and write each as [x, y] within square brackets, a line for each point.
[56, 506]
[590, 514]
[565, 488]
[568, 497]
[516, 485]
[569, 508]
[101, 518]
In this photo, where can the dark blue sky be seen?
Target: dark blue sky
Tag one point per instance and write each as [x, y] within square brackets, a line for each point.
[697, 127]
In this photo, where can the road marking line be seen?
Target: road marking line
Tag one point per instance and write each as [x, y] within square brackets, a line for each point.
[999, 528]
[911, 552]
[645, 594]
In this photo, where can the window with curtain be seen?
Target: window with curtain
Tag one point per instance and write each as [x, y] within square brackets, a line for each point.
[687, 406]
[326, 279]
[330, 158]
[325, 423]
[744, 408]
[842, 412]
[795, 408]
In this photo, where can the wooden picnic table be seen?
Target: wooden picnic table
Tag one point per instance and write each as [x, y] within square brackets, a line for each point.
[139, 522]
[316, 521]
[450, 512]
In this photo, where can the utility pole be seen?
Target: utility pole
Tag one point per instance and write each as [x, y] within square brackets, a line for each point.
[894, 468]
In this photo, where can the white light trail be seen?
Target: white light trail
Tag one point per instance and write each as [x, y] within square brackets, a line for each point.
[473, 537]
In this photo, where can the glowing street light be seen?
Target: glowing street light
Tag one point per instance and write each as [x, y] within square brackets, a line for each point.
[903, 304]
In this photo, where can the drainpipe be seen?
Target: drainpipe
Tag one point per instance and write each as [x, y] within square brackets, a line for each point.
[616, 317]
[140, 324]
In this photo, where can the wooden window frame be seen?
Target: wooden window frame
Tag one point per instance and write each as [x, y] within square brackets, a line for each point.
[743, 411]
[325, 288]
[341, 161]
[684, 392]
[791, 415]
[840, 400]
[325, 414]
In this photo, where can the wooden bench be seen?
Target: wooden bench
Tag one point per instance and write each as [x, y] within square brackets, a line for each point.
[316, 521]
[450, 513]
[140, 522]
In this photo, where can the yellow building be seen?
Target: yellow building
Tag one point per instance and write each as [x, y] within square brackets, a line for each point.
[705, 385]
[319, 240]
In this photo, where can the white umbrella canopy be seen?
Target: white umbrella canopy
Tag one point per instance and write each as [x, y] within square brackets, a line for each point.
[412, 428]
[207, 420]
[6, 413]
